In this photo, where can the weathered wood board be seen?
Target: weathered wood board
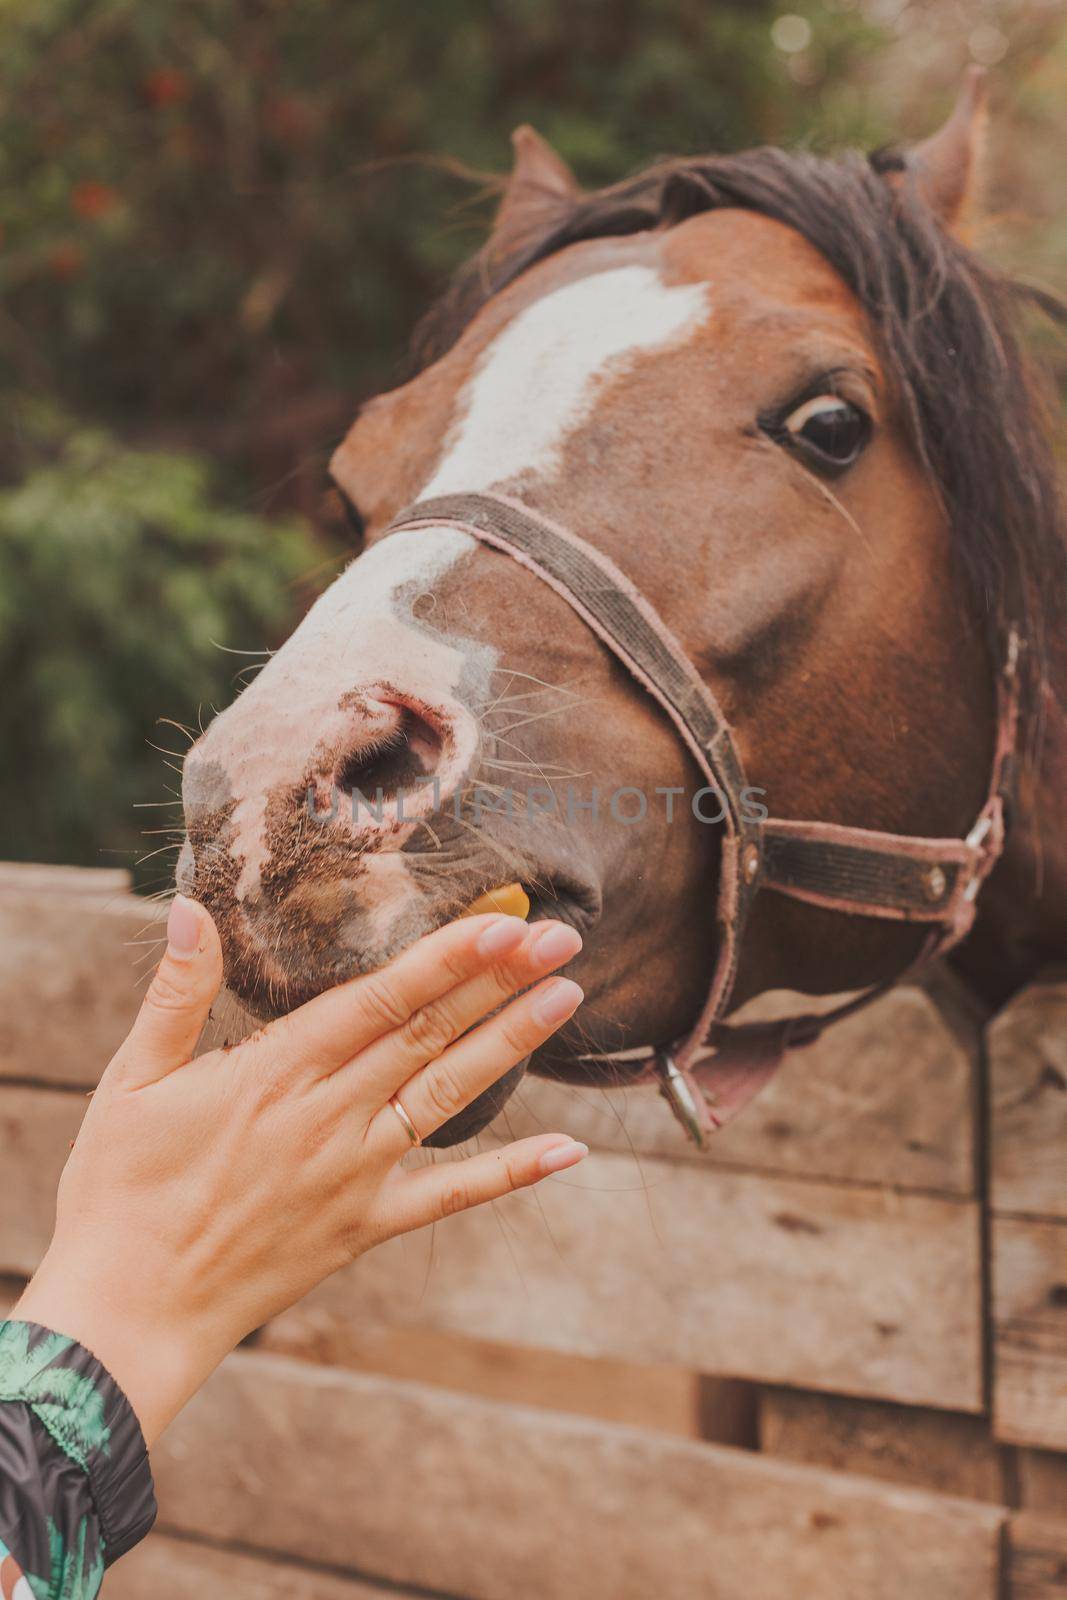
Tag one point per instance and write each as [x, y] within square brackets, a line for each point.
[671, 1399]
[75, 948]
[914, 1445]
[1037, 1558]
[499, 1501]
[831, 1242]
[167, 1568]
[1041, 1478]
[887, 1097]
[821, 1285]
[33, 877]
[1027, 1045]
[36, 1127]
[787, 1281]
[1030, 1331]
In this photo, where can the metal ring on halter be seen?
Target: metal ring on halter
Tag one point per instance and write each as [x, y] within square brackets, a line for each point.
[409, 1127]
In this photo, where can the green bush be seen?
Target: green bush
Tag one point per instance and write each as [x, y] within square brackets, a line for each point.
[121, 579]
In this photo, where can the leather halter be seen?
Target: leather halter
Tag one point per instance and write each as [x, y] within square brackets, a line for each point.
[713, 1070]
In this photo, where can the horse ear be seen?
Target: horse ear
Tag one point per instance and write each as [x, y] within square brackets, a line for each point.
[540, 186]
[947, 165]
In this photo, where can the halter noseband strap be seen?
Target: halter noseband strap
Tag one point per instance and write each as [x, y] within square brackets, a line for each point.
[713, 1071]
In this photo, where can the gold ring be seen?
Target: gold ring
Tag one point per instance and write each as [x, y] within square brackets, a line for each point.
[409, 1127]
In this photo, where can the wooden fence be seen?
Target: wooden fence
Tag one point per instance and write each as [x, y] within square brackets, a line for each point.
[827, 1361]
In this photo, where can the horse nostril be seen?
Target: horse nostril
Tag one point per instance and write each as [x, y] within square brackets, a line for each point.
[405, 757]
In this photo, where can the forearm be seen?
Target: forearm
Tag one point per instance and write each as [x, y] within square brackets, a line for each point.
[75, 1486]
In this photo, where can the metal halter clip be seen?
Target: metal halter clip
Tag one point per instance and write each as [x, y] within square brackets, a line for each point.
[675, 1089]
[979, 833]
[975, 840]
[1015, 650]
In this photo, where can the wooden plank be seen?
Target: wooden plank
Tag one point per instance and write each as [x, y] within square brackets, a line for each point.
[36, 1127]
[1030, 1331]
[668, 1398]
[1037, 1563]
[422, 1487]
[729, 1411]
[887, 1097]
[72, 972]
[817, 1285]
[1028, 1097]
[915, 1445]
[166, 1568]
[1041, 1476]
[26, 877]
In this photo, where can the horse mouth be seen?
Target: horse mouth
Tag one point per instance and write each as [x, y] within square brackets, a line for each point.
[255, 978]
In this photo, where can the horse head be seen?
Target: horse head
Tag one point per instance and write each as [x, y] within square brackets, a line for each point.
[785, 399]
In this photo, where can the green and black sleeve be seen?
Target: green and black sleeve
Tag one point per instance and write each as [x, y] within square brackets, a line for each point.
[75, 1484]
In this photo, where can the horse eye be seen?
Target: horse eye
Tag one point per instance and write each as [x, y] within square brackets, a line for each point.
[828, 429]
[351, 513]
[354, 517]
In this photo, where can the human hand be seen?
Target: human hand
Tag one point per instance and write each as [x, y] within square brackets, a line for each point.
[203, 1196]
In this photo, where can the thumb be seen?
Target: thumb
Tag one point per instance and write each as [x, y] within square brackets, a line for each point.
[179, 997]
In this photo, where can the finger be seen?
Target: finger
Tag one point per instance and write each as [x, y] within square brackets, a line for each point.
[174, 1010]
[428, 1032]
[326, 1032]
[474, 1063]
[412, 1199]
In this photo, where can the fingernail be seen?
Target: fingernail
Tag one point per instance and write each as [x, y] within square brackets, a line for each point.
[501, 937]
[557, 1002]
[562, 1156]
[183, 928]
[558, 942]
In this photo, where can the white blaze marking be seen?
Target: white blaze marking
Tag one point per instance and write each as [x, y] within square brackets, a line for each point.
[534, 385]
[354, 636]
[538, 381]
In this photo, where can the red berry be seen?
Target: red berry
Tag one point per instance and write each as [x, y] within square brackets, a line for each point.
[93, 200]
[167, 86]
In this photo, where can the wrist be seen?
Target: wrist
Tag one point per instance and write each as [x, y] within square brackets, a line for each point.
[158, 1360]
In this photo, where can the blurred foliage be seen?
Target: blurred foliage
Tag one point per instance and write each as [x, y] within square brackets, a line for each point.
[219, 220]
[210, 205]
[120, 572]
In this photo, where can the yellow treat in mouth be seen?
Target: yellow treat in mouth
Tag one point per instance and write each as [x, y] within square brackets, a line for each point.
[510, 898]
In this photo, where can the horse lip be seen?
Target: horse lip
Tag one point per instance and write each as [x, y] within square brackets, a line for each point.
[564, 896]
[267, 1002]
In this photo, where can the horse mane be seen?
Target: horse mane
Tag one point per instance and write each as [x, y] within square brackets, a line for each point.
[946, 323]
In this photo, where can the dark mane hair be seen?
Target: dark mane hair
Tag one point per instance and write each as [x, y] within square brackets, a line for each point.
[946, 326]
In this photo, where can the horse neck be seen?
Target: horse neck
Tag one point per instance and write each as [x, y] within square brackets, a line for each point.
[1022, 922]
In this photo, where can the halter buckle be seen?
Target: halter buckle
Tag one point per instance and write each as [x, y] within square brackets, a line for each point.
[980, 832]
[677, 1090]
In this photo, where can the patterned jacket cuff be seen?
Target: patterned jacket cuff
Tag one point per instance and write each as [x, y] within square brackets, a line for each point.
[78, 1402]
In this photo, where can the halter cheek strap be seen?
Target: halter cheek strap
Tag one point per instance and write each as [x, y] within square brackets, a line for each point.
[716, 1068]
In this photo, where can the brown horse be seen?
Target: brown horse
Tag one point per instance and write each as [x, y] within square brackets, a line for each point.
[787, 399]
